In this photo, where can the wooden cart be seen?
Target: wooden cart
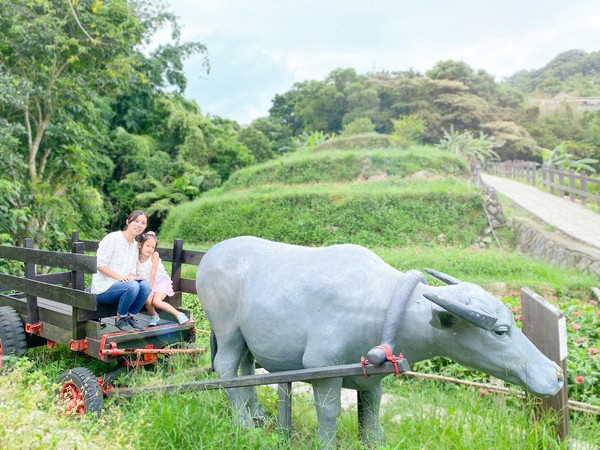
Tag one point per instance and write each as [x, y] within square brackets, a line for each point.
[54, 307]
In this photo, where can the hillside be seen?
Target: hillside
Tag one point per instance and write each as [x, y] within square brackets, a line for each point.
[381, 197]
[573, 71]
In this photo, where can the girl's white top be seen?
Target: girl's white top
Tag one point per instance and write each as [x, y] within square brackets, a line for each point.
[144, 269]
[116, 253]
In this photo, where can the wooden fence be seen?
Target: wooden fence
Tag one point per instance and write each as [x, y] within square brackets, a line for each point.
[556, 180]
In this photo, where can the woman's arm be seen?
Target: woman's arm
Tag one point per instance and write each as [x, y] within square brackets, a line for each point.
[117, 276]
[155, 261]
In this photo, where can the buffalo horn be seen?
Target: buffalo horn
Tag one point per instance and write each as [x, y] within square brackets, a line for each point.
[478, 318]
[443, 277]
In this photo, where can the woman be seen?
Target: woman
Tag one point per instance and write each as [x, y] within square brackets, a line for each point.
[115, 280]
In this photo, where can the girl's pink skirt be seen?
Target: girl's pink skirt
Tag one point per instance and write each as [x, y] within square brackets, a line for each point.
[164, 285]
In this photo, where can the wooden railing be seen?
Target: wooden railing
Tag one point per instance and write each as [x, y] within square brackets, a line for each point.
[556, 180]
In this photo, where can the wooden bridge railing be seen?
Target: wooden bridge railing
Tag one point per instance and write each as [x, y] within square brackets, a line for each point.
[557, 180]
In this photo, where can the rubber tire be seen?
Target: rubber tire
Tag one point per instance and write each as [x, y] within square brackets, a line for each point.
[13, 340]
[80, 391]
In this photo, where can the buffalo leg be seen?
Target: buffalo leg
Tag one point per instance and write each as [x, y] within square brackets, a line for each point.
[247, 367]
[368, 416]
[232, 348]
[328, 405]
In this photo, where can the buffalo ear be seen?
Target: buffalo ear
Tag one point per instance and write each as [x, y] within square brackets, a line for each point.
[442, 319]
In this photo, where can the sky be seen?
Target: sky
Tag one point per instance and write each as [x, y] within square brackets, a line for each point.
[260, 48]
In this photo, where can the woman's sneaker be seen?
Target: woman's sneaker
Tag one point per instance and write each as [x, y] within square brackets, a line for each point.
[135, 324]
[182, 318]
[123, 324]
[153, 321]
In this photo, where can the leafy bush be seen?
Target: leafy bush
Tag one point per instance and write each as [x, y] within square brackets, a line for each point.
[358, 126]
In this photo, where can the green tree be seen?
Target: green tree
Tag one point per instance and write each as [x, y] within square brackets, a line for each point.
[62, 61]
[408, 130]
[358, 126]
[256, 142]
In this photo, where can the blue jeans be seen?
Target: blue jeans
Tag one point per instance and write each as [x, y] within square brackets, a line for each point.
[131, 296]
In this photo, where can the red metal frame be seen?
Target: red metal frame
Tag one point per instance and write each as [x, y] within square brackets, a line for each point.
[33, 328]
[78, 345]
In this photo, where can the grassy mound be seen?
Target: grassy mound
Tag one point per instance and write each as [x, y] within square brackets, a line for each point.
[357, 141]
[335, 166]
[394, 212]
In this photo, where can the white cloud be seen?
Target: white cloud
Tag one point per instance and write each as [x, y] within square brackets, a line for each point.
[260, 48]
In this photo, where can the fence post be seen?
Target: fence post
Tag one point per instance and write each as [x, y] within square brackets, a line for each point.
[551, 172]
[77, 282]
[544, 174]
[477, 174]
[176, 271]
[546, 327]
[572, 185]
[583, 187]
[561, 183]
[284, 409]
[32, 305]
[533, 166]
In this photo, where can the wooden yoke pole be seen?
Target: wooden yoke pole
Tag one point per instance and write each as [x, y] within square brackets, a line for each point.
[546, 327]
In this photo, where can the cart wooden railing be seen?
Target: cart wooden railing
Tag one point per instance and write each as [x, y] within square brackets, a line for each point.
[58, 302]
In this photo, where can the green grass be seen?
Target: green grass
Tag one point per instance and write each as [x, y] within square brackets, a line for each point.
[335, 166]
[418, 414]
[386, 212]
[499, 271]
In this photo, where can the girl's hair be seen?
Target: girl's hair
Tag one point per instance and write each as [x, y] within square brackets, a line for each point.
[147, 235]
[134, 215]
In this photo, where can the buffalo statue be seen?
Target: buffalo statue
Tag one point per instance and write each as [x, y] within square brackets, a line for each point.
[292, 307]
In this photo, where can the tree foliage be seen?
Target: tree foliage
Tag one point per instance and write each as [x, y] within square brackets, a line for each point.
[472, 149]
[48, 51]
[82, 108]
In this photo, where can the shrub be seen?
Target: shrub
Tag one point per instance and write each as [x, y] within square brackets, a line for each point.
[358, 126]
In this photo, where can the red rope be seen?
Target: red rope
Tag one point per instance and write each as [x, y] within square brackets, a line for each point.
[388, 355]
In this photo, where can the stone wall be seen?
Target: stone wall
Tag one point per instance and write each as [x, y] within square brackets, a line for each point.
[555, 248]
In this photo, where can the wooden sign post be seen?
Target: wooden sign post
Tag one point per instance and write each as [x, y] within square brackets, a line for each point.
[546, 327]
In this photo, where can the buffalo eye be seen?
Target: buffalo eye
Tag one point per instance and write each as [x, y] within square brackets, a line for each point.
[501, 331]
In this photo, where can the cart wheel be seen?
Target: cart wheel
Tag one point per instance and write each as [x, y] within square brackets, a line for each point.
[80, 391]
[13, 340]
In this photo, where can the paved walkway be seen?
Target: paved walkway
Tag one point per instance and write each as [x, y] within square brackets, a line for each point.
[569, 217]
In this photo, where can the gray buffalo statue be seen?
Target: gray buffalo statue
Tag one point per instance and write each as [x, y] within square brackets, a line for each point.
[292, 307]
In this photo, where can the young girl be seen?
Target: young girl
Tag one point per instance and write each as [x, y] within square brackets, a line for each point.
[150, 267]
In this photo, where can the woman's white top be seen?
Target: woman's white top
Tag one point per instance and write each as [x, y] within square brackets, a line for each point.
[115, 252]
